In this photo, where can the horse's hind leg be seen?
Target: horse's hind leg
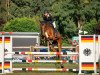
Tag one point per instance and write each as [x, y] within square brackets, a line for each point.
[59, 41]
[60, 50]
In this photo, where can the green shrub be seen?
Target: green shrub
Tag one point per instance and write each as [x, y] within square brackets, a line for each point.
[21, 25]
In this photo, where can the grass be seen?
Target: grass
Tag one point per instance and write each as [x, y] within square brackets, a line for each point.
[47, 65]
[43, 73]
[42, 65]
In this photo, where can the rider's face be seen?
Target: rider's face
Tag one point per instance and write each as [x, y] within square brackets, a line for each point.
[46, 14]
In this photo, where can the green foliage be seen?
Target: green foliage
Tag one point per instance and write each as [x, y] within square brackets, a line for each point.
[70, 29]
[89, 26]
[21, 25]
[65, 42]
[67, 13]
[3, 11]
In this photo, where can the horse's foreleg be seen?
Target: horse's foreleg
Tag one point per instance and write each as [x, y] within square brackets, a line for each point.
[46, 34]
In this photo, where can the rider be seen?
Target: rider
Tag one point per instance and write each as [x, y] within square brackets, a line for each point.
[47, 17]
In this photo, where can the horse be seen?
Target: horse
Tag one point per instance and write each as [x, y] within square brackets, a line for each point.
[48, 33]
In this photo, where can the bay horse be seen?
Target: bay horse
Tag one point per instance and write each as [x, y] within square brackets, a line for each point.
[48, 32]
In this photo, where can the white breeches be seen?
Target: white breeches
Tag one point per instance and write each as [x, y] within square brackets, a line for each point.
[54, 24]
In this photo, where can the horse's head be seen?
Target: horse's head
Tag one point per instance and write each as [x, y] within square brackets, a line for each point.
[42, 28]
[42, 25]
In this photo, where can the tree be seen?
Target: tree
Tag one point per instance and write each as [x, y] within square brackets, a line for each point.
[97, 28]
[90, 26]
[2, 10]
[67, 13]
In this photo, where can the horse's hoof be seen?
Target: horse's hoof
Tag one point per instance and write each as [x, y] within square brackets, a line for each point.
[62, 66]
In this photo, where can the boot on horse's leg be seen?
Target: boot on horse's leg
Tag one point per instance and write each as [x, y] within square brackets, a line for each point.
[62, 66]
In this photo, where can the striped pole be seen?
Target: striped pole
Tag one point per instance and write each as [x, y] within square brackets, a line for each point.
[43, 47]
[43, 69]
[52, 53]
[51, 61]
